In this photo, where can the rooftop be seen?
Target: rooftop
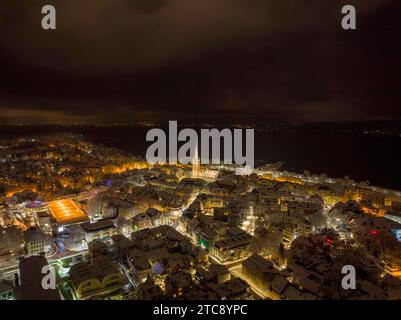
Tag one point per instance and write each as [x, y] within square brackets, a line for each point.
[99, 225]
[67, 211]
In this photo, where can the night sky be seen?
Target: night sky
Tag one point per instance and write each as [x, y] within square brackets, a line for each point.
[135, 60]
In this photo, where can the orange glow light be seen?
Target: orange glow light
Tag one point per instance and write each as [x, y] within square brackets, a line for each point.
[67, 211]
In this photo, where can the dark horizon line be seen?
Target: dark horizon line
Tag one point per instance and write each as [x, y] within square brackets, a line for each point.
[199, 119]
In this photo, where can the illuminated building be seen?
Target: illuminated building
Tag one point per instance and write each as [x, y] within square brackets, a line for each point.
[139, 264]
[196, 165]
[178, 285]
[149, 291]
[395, 217]
[259, 270]
[100, 230]
[96, 248]
[67, 211]
[11, 241]
[35, 207]
[44, 221]
[6, 290]
[35, 241]
[99, 276]
[121, 244]
[234, 289]
[141, 221]
[207, 238]
[204, 174]
[216, 273]
[232, 248]
[290, 233]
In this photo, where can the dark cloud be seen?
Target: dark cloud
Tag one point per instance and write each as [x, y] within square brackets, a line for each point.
[115, 59]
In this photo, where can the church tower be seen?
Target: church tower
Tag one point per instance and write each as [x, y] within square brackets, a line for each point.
[196, 164]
